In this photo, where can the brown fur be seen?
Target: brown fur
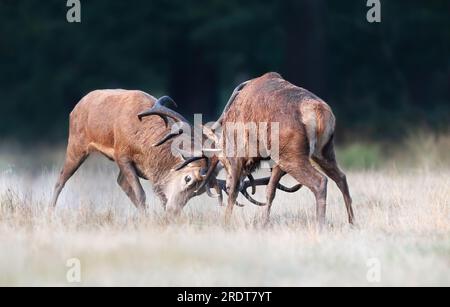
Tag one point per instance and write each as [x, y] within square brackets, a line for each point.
[106, 121]
[306, 132]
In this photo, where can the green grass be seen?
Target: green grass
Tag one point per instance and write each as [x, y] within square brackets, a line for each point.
[360, 156]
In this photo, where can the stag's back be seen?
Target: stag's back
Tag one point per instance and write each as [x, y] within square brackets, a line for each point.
[300, 113]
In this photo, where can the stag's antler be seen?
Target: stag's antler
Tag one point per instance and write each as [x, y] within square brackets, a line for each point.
[257, 182]
[161, 109]
[264, 182]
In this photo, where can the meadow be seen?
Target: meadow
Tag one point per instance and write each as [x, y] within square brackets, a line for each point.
[401, 199]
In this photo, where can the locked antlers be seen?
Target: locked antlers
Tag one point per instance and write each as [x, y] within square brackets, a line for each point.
[162, 109]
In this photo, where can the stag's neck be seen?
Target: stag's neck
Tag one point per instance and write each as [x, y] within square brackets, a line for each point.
[157, 164]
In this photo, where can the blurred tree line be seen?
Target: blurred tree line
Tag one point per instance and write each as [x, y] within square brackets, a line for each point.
[381, 79]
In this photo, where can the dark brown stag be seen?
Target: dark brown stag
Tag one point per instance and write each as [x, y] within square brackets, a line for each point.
[306, 132]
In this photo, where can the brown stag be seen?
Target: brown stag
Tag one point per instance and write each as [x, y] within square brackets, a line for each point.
[306, 132]
[106, 121]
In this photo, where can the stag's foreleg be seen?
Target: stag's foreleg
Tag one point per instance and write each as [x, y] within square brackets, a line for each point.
[129, 181]
[329, 165]
[271, 189]
[232, 189]
[126, 187]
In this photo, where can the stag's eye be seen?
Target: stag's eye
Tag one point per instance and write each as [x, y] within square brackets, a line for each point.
[188, 179]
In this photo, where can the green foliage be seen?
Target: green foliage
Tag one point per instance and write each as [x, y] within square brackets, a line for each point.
[379, 78]
[360, 156]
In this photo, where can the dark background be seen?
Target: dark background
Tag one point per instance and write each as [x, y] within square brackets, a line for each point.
[382, 80]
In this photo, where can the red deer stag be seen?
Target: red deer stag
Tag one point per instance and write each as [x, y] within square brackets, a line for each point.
[306, 131]
[106, 121]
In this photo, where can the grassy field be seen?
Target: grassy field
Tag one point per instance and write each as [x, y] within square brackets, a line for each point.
[403, 232]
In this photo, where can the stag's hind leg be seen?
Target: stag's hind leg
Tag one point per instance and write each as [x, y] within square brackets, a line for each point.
[302, 170]
[329, 165]
[74, 158]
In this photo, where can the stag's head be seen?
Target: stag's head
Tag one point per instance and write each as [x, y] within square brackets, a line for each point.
[197, 173]
[181, 185]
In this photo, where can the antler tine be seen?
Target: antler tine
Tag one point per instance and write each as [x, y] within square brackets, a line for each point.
[160, 109]
[265, 181]
[258, 182]
[250, 199]
[222, 185]
[168, 137]
[252, 183]
[167, 102]
[210, 194]
[208, 175]
[187, 162]
[255, 182]
[289, 190]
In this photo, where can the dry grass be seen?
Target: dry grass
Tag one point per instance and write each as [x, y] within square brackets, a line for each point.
[403, 221]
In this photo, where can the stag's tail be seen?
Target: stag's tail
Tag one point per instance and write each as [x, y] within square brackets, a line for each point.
[319, 122]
